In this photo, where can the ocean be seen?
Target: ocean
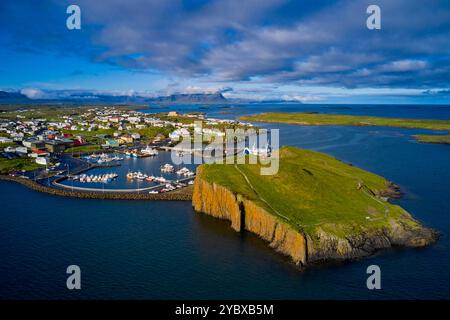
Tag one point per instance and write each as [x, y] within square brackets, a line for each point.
[164, 250]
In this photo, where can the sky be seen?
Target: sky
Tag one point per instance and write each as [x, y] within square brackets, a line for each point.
[309, 51]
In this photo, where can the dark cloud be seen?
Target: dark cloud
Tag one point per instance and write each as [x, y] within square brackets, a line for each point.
[275, 41]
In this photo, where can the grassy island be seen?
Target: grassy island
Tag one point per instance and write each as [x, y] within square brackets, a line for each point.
[339, 211]
[445, 139]
[319, 119]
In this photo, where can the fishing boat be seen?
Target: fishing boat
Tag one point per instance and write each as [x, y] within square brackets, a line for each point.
[149, 151]
[141, 176]
[185, 172]
[160, 179]
[167, 168]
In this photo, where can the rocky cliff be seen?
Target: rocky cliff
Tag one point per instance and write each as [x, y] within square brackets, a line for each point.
[304, 248]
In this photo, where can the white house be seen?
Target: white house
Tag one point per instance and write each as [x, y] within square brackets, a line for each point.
[21, 150]
[177, 133]
[136, 136]
[42, 160]
[5, 140]
[134, 120]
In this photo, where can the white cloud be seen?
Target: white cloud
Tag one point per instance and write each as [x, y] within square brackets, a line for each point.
[405, 66]
[33, 93]
[301, 98]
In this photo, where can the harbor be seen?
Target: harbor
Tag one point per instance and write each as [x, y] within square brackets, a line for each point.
[128, 174]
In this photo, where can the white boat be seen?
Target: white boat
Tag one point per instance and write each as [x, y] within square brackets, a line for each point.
[185, 172]
[167, 168]
[141, 176]
[160, 179]
[149, 151]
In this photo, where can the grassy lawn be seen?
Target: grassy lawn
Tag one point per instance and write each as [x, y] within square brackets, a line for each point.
[55, 112]
[3, 146]
[433, 139]
[86, 148]
[90, 133]
[7, 166]
[317, 119]
[151, 132]
[312, 189]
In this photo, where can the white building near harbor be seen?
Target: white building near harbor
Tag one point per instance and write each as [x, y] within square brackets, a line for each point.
[42, 160]
[5, 140]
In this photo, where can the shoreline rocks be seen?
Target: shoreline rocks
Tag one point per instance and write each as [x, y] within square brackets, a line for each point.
[184, 194]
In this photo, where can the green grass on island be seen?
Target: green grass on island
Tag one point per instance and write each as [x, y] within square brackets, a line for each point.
[318, 119]
[313, 190]
[445, 139]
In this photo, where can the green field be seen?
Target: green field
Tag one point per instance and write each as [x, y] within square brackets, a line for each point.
[54, 112]
[445, 139]
[313, 189]
[319, 119]
[90, 133]
[82, 149]
[27, 164]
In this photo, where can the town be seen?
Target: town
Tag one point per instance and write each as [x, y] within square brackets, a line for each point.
[62, 142]
[95, 129]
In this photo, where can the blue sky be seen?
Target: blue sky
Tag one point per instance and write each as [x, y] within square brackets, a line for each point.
[308, 51]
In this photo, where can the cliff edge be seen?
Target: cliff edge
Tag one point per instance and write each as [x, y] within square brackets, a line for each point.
[297, 228]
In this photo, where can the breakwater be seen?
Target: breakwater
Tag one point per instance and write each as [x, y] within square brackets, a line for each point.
[184, 194]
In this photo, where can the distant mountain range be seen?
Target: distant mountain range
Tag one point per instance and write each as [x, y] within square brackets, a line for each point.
[90, 97]
[192, 98]
[12, 96]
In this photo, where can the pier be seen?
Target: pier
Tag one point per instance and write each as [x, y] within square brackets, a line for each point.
[184, 194]
[128, 190]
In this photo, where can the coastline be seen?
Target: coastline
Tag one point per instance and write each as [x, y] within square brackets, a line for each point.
[324, 119]
[315, 242]
[184, 194]
[303, 249]
[436, 139]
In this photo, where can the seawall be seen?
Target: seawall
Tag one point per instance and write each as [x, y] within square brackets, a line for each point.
[184, 194]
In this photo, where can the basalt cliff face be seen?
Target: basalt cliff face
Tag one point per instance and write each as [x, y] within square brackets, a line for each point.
[219, 202]
[303, 248]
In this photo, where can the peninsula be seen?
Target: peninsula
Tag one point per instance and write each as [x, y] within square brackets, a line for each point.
[444, 139]
[315, 209]
[321, 119]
